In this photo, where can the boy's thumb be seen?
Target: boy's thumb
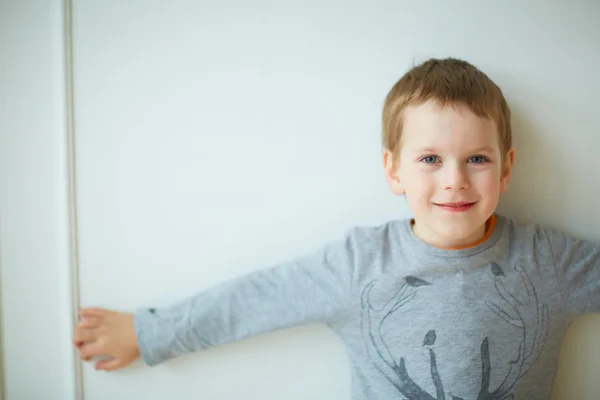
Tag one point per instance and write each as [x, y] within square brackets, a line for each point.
[110, 364]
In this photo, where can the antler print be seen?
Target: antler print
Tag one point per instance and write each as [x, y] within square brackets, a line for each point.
[533, 337]
[511, 309]
[372, 321]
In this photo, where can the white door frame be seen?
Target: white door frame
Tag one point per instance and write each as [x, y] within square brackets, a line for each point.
[38, 224]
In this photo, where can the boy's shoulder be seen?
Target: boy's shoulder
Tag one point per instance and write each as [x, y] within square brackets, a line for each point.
[521, 227]
[384, 230]
[525, 229]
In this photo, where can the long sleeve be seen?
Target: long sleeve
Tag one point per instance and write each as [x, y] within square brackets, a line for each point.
[577, 265]
[314, 288]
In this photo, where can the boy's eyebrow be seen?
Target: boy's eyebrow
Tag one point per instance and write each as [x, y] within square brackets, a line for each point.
[476, 150]
[483, 148]
[426, 150]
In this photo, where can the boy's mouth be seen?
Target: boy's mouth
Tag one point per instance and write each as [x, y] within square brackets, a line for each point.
[455, 207]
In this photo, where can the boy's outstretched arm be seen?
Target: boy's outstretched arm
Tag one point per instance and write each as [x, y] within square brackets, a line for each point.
[577, 265]
[315, 288]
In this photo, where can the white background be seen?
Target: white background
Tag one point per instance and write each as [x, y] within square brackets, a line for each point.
[215, 138]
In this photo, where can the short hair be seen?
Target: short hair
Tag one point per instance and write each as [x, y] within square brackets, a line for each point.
[447, 81]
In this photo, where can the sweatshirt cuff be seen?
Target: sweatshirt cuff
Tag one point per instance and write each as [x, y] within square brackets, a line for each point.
[147, 326]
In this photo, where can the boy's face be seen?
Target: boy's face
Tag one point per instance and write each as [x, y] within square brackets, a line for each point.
[451, 170]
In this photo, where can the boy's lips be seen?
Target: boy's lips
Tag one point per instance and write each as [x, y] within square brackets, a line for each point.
[455, 206]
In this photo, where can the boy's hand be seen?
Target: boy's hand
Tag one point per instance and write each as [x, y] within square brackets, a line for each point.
[101, 332]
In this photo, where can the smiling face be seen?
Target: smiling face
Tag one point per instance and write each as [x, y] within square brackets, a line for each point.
[451, 169]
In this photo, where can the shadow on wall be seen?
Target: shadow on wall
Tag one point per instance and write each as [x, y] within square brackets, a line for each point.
[534, 193]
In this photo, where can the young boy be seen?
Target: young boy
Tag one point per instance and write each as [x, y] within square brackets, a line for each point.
[456, 303]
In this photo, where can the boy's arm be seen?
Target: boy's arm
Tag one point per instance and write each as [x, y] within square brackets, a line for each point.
[577, 265]
[310, 289]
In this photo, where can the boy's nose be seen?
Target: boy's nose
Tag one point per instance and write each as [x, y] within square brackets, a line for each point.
[455, 178]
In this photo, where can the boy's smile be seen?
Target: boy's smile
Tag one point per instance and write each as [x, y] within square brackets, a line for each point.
[451, 169]
[456, 207]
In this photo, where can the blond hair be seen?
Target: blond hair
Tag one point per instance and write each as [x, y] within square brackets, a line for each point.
[446, 81]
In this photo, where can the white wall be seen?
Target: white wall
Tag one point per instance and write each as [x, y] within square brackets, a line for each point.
[216, 139]
[34, 252]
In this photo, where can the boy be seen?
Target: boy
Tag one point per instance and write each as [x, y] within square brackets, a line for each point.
[456, 303]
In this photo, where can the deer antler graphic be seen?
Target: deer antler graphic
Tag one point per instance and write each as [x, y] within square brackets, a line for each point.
[372, 321]
[513, 311]
[533, 337]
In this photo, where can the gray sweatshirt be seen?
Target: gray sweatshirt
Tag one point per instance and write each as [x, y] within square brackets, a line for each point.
[418, 322]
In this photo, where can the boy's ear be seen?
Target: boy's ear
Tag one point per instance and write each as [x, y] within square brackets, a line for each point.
[509, 162]
[390, 167]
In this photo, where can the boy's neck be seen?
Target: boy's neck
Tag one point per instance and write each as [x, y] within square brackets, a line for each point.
[478, 237]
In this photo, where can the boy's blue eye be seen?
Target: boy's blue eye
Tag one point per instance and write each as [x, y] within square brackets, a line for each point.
[478, 159]
[429, 159]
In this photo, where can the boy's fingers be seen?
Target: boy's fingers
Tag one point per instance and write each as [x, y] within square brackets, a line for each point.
[89, 350]
[84, 335]
[109, 365]
[92, 312]
[88, 322]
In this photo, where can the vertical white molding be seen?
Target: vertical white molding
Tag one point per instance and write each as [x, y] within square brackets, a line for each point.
[64, 103]
[38, 241]
[71, 165]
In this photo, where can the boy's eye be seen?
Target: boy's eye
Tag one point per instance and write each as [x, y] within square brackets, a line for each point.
[477, 159]
[429, 159]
